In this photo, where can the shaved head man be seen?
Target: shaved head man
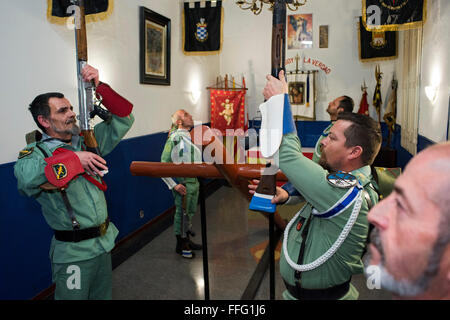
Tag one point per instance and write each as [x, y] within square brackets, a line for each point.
[410, 245]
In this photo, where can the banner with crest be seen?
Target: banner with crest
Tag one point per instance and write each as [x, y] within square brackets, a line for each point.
[393, 15]
[202, 28]
[228, 110]
[58, 11]
[376, 45]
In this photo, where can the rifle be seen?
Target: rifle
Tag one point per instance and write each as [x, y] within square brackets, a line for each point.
[89, 106]
[267, 185]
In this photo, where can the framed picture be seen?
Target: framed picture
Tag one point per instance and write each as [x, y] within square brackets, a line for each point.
[302, 96]
[323, 36]
[300, 31]
[296, 92]
[154, 48]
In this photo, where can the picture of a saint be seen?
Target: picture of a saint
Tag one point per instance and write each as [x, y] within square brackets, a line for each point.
[296, 92]
[299, 34]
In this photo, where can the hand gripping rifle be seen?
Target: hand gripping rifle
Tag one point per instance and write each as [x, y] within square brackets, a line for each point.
[89, 106]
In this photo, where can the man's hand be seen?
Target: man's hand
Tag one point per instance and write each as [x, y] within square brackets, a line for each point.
[181, 189]
[275, 86]
[92, 163]
[90, 73]
[281, 195]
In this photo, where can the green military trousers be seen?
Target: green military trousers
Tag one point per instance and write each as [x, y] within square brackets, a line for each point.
[191, 198]
[84, 280]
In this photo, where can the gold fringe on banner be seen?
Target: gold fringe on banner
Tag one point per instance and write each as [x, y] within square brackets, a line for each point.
[203, 53]
[89, 18]
[394, 27]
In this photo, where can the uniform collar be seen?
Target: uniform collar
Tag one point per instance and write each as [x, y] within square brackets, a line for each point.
[363, 174]
[53, 143]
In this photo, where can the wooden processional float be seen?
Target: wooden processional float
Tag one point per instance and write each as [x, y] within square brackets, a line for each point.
[237, 175]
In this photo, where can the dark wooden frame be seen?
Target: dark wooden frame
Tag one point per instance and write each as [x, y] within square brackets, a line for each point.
[149, 15]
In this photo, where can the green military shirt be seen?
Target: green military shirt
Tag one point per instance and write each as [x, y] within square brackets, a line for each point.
[317, 151]
[87, 200]
[179, 148]
[310, 179]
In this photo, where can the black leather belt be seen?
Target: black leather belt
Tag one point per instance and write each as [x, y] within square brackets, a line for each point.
[82, 234]
[332, 293]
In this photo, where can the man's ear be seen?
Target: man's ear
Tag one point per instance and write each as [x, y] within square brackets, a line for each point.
[355, 152]
[43, 121]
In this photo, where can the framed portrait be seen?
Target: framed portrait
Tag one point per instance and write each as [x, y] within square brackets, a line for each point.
[154, 48]
[302, 96]
[296, 92]
[299, 31]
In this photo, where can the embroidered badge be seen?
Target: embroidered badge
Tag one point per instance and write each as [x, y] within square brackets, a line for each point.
[201, 32]
[60, 171]
[25, 152]
[342, 180]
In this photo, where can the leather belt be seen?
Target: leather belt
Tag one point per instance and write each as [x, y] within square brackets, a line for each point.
[333, 293]
[82, 234]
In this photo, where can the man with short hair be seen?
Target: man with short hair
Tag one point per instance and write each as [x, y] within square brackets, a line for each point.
[335, 107]
[410, 246]
[66, 180]
[324, 242]
[179, 148]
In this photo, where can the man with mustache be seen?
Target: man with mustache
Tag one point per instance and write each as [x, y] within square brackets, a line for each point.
[324, 242]
[409, 253]
[66, 180]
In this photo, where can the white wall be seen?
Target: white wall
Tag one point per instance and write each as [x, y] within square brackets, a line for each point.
[433, 116]
[247, 50]
[38, 57]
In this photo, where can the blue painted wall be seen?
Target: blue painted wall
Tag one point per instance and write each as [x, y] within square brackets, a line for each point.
[25, 237]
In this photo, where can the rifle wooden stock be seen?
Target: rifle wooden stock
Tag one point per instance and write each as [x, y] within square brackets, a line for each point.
[278, 37]
[90, 141]
[81, 33]
[203, 170]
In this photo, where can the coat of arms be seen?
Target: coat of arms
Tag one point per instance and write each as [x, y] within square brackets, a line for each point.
[201, 33]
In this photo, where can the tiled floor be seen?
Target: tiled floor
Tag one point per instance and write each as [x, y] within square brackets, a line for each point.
[234, 233]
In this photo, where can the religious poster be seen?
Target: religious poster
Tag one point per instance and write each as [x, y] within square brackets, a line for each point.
[58, 11]
[376, 45]
[301, 95]
[299, 31]
[227, 110]
[392, 15]
[202, 28]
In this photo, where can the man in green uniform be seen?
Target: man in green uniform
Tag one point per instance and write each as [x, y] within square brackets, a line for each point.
[338, 105]
[179, 148]
[67, 182]
[324, 242]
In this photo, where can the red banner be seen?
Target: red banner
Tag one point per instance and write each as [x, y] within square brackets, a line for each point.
[228, 110]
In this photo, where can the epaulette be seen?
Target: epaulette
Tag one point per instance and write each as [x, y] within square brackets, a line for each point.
[33, 136]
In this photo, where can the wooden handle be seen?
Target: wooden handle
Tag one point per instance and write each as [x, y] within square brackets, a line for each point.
[81, 34]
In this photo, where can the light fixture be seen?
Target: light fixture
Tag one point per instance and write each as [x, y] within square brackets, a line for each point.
[256, 5]
[195, 95]
[431, 93]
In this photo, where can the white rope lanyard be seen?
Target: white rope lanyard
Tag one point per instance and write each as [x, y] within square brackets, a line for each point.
[329, 253]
